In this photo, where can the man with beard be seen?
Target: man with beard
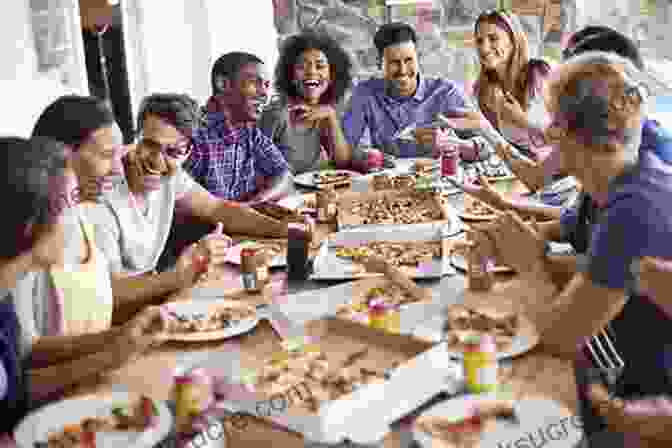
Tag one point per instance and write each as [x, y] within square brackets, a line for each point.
[232, 158]
[133, 223]
[381, 108]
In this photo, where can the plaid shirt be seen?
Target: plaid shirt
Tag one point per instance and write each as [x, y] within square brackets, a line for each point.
[232, 163]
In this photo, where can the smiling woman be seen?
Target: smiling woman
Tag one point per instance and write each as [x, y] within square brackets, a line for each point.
[312, 76]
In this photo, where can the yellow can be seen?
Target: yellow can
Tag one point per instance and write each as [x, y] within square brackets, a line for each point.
[480, 364]
[394, 321]
[378, 316]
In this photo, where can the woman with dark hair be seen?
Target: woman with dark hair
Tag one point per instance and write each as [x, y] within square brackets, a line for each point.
[35, 175]
[66, 309]
[33, 240]
[312, 77]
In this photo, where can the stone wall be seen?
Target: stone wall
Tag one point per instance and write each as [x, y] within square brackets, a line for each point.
[444, 28]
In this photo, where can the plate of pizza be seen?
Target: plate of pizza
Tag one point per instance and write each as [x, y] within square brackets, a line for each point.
[108, 421]
[326, 178]
[207, 321]
[388, 293]
[514, 334]
[476, 210]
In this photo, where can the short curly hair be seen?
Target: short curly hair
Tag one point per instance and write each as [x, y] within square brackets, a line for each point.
[339, 60]
[180, 111]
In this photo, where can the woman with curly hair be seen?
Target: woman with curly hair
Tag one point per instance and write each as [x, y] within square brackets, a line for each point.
[312, 76]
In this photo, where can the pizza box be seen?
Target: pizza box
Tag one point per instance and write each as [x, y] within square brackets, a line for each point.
[415, 371]
[328, 266]
[348, 201]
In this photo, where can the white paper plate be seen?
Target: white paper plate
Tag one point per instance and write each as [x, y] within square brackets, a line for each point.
[432, 330]
[535, 415]
[240, 327]
[307, 179]
[52, 418]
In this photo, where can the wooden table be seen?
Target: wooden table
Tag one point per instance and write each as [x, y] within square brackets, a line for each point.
[533, 374]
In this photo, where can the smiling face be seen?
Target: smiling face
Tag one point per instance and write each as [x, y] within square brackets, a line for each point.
[248, 93]
[312, 75]
[494, 45]
[96, 161]
[400, 67]
[159, 153]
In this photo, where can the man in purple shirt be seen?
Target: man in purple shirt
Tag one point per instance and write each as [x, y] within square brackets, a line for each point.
[381, 108]
[232, 158]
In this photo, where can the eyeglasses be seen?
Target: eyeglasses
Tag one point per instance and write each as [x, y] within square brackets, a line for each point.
[178, 150]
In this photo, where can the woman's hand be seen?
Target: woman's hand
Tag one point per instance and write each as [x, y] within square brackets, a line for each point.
[314, 116]
[466, 119]
[509, 111]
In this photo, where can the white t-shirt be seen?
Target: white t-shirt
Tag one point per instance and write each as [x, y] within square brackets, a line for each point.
[33, 293]
[132, 241]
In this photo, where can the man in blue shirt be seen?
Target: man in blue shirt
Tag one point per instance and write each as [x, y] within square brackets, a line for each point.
[598, 114]
[381, 108]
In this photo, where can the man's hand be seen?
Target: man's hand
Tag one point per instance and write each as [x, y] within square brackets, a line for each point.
[655, 278]
[192, 262]
[486, 193]
[519, 245]
[216, 245]
[650, 419]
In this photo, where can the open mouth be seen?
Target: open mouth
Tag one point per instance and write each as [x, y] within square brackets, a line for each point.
[312, 83]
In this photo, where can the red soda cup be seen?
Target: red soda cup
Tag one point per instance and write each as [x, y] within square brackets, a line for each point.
[450, 157]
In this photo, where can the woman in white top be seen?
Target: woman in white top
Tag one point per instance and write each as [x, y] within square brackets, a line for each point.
[65, 310]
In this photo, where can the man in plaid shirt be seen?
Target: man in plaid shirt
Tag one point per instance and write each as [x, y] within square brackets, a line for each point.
[232, 158]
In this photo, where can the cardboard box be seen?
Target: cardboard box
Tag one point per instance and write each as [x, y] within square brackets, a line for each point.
[347, 201]
[365, 415]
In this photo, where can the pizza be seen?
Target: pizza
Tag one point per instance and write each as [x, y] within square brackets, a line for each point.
[391, 295]
[137, 416]
[276, 211]
[463, 321]
[396, 253]
[467, 431]
[332, 178]
[327, 377]
[416, 208]
[424, 167]
[218, 319]
[478, 208]
[382, 182]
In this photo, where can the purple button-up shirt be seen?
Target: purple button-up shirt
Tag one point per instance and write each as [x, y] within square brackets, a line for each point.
[374, 116]
[228, 162]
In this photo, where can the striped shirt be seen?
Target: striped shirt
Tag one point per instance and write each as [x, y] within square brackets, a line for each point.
[231, 163]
